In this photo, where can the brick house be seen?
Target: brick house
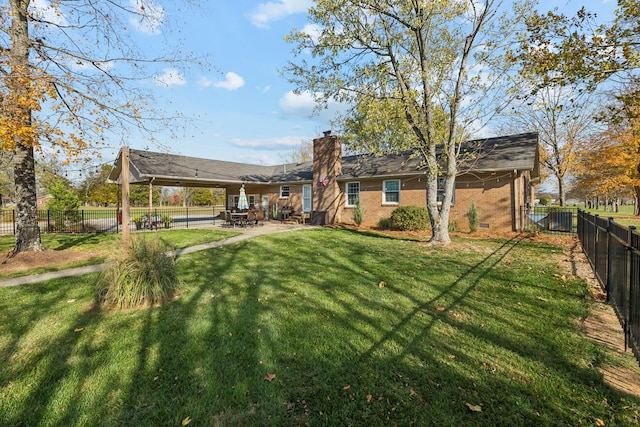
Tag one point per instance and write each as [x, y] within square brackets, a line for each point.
[498, 175]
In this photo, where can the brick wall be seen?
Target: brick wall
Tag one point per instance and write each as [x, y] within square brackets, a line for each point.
[492, 194]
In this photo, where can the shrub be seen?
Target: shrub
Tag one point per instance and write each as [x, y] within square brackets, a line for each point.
[358, 213]
[385, 224]
[141, 275]
[474, 221]
[453, 225]
[410, 218]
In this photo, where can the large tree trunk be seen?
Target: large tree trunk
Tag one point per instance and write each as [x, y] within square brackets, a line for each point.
[27, 229]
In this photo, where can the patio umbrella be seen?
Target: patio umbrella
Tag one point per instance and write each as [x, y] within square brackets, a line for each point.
[243, 204]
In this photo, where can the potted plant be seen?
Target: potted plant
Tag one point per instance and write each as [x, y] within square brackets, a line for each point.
[138, 221]
[166, 220]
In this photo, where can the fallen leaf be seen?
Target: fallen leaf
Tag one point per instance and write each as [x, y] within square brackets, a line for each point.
[382, 284]
[413, 393]
[599, 422]
[347, 387]
[366, 272]
[441, 308]
[369, 397]
[78, 330]
[543, 299]
[71, 300]
[269, 377]
[186, 421]
[474, 408]
[451, 356]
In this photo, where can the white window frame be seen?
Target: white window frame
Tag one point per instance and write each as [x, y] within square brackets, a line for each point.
[282, 192]
[440, 195]
[385, 191]
[347, 193]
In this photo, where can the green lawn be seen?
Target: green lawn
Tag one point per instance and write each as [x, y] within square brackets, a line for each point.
[100, 245]
[317, 327]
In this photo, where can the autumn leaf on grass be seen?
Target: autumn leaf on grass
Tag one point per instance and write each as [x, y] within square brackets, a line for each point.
[441, 308]
[186, 421]
[543, 299]
[78, 330]
[382, 284]
[369, 397]
[269, 377]
[599, 422]
[473, 408]
[347, 387]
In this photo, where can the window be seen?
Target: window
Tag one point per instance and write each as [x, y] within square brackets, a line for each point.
[441, 191]
[353, 193]
[284, 191]
[391, 191]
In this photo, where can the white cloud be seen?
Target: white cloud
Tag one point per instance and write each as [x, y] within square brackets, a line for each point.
[279, 143]
[313, 31]
[297, 104]
[302, 105]
[170, 77]
[232, 82]
[42, 9]
[265, 13]
[149, 16]
[205, 82]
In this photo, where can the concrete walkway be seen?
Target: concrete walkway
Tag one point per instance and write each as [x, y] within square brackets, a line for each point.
[247, 233]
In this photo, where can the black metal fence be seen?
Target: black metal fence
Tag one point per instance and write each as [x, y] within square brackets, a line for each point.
[109, 220]
[553, 219]
[614, 253]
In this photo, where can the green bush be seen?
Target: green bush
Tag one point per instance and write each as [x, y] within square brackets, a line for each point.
[385, 224]
[474, 220]
[142, 275]
[358, 213]
[410, 218]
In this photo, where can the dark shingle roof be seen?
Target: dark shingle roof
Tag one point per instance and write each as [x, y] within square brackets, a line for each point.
[504, 153]
[487, 155]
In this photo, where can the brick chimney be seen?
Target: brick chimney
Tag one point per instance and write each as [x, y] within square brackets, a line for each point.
[327, 165]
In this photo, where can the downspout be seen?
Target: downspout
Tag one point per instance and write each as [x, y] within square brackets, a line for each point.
[516, 205]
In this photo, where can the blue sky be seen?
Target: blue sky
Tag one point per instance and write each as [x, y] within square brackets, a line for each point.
[243, 109]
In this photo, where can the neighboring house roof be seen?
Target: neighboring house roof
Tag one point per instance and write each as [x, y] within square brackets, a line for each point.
[519, 152]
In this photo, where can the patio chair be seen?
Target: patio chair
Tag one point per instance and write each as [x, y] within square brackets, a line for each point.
[228, 220]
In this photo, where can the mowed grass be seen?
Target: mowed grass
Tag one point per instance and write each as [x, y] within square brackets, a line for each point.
[100, 245]
[317, 327]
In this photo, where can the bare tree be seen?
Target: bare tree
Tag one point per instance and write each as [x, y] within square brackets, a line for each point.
[69, 71]
[563, 118]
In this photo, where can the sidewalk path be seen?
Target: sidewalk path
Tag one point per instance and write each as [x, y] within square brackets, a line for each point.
[247, 233]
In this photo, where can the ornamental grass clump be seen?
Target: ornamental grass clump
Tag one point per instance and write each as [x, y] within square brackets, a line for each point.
[143, 275]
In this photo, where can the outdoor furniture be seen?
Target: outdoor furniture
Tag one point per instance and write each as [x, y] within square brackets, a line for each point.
[151, 223]
[285, 212]
[239, 218]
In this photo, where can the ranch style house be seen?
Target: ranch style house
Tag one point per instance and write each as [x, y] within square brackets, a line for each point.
[497, 174]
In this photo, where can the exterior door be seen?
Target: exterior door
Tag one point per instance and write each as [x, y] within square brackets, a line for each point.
[306, 198]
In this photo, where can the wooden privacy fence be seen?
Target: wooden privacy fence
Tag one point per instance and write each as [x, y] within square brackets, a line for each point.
[614, 253]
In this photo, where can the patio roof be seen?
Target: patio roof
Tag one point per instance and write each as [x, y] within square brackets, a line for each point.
[506, 153]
